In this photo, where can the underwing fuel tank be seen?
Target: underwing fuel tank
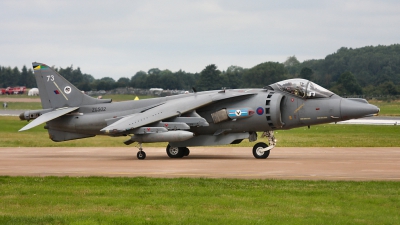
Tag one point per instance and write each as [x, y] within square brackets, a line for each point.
[170, 136]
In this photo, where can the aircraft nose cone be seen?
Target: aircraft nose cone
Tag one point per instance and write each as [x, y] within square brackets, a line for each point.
[351, 109]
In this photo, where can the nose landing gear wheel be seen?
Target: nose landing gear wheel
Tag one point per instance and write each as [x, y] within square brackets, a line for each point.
[141, 155]
[258, 152]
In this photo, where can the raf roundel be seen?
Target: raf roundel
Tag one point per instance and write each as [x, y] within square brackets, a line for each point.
[67, 90]
[260, 111]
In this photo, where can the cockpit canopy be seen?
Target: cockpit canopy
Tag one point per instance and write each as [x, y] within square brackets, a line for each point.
[302, 88]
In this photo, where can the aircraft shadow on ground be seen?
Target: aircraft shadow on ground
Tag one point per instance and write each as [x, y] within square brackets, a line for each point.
[194, 157]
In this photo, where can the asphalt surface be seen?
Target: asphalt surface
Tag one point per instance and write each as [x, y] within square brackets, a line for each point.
[222, 162]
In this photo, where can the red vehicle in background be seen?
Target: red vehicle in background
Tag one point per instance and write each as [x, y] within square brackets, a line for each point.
[13, 90]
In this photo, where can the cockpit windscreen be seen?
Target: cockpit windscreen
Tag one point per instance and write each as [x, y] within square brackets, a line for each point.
[304, 88]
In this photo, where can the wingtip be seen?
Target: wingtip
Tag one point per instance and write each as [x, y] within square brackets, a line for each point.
[22, 129]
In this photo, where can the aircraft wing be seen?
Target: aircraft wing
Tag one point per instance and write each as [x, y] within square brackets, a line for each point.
[170, 108]
[48, 116]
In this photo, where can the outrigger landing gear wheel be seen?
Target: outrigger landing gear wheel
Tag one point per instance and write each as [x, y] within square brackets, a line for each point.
[175, 152]
[141, 155]
[258, 151]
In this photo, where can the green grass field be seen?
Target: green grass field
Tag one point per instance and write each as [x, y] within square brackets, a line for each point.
[23, 105]
[96, 200]
[19, 96]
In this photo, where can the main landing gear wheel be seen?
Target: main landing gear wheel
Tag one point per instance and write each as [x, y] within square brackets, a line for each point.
[258, 151]
[186, 151]
[141, 155]
[177, 152]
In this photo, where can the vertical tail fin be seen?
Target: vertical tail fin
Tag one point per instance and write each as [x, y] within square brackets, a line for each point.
[56, 92]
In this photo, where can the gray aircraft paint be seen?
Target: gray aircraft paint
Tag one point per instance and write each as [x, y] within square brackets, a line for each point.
[196, 118]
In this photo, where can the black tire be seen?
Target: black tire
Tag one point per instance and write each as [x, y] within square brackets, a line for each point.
[175, 152]
[141, 155]
[260, 155]
[186, 151]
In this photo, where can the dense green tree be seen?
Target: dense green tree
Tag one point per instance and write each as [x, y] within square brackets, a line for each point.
[375, 68]
[234, 76]
[370, 65]
[15, 77]
[86, 83]
[6, 77]
[84, 86]
[307, 73]
[210, 79]
[154, 71]
[106, 83]
[139, 80]
[27, 78]
[388, 88]
[168, 80]
[154, 78]
[123, 82]
[347, 85]
[292, 65]
[264, 74]
[186, 80]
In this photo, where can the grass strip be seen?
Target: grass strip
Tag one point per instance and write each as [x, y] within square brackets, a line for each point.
[98, 200]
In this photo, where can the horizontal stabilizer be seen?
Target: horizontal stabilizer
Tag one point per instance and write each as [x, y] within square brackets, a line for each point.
[48, 116]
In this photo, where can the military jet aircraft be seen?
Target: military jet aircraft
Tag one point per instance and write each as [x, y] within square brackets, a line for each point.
[195, 119]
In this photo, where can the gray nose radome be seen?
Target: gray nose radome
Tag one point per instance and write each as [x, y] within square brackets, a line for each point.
[351, 109]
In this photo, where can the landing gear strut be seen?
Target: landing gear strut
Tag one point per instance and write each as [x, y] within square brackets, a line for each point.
[262, 150]
[141, 154]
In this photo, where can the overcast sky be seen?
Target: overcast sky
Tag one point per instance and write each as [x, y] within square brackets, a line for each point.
[119, 38]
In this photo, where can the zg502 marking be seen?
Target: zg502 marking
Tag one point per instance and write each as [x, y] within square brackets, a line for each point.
[99, 109]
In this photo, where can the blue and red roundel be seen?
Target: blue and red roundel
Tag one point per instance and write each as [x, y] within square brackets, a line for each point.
[260, 111]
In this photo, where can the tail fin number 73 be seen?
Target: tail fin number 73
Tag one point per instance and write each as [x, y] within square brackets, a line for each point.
[50, 78]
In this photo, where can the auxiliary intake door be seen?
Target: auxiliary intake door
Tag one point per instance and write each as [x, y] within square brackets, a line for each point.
[273, 110]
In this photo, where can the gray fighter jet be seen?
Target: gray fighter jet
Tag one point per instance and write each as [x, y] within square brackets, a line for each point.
[196, 119]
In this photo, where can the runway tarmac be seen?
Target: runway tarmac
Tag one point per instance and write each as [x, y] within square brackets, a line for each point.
[316, 163]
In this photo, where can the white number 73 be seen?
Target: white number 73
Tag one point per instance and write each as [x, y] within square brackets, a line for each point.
[50, 78]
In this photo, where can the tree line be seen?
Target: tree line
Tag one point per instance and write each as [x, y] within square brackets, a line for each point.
[370, 70]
